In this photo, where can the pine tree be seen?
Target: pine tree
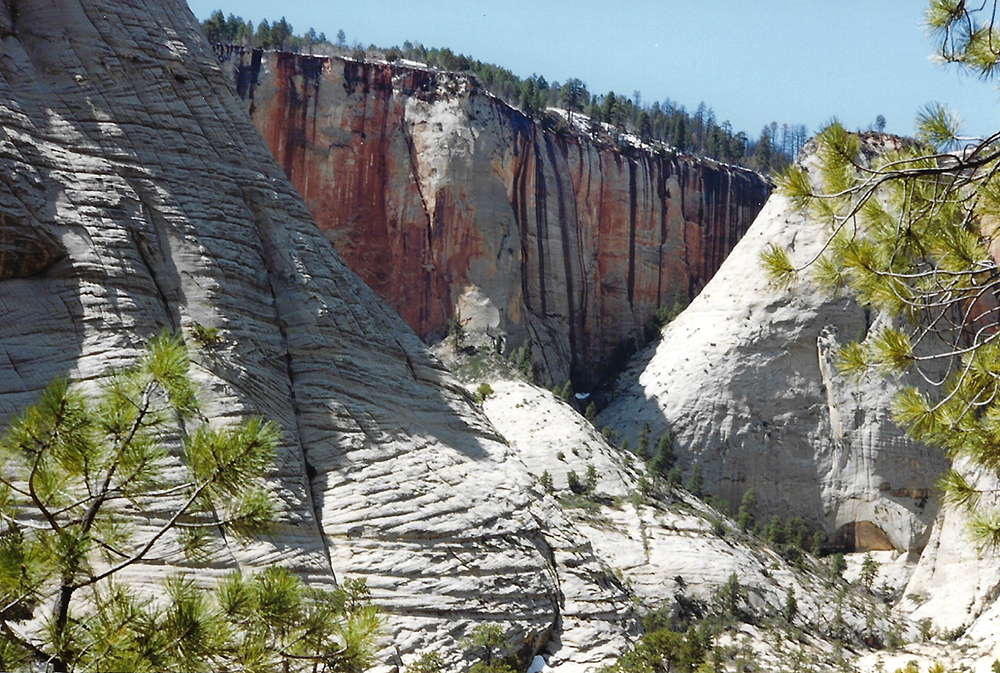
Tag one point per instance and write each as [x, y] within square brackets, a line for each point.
[590, 480]
[791, 605]
[642, 443]
[695, 482]
[665, 458]
[907, 235]
[869, 571]
[82, 475]
[745, 516]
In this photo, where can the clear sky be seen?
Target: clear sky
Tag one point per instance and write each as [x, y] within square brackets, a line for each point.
[752, 61]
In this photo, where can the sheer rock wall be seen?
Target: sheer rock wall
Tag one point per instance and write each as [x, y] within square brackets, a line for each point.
[451, 204]
[746, 379]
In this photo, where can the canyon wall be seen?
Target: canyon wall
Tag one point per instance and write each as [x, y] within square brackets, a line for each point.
[451, 204]
[136, 196]
[746, 379]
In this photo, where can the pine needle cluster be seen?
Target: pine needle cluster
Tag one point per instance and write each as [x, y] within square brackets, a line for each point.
[89, 488]
[909, 231]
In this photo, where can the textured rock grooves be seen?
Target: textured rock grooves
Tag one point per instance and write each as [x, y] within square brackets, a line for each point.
[135, 194]
[427, 185]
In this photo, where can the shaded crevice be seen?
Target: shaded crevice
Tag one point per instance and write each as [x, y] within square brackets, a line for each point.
[541, 225]
[631, 232]
[272, 265]
[565, 230]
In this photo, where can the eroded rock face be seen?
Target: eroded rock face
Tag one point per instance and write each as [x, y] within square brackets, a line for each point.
[672, 550]
[137, 196]
[746, 380]
[430, 189]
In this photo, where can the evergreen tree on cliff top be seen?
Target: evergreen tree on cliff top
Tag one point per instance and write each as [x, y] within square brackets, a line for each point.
[88, 490]
[910, 233]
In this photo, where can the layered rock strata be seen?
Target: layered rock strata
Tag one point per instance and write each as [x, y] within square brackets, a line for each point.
[136, 196]
[672, 550]
[746, 380]
[452, 205]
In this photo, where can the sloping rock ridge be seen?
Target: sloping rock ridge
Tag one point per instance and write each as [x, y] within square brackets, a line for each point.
[745, 377]
[451, 204]
[136, 195]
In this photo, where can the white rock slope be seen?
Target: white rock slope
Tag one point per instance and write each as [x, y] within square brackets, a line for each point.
[745, 378]
[135, 195]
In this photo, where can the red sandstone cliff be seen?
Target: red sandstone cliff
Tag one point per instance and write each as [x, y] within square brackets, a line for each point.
[448, 202]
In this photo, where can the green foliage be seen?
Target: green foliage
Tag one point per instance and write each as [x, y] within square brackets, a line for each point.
[665, 459]
[665, 314]
[774, 532]
[456, 330]
[547, 483]
[239, 31]
[907, 230]
[745, 517]
[590, 413]
[428, 662]
[926, 628]
[729, 599]
[777, 265]
[791, 605]
[642, 444]
[869, 571]
[207, 337]
[696, 482]
[590, 480]
[663, 650]
[574, 483]
[674, 476]
[522, 356]
[837, 566]
[487, 642]
[482, 392]
[566, 392]
[84, 475]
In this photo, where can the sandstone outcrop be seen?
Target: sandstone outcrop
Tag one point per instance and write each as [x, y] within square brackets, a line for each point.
[451, 204]
[668, 547]
[136, 195]
[746, 380]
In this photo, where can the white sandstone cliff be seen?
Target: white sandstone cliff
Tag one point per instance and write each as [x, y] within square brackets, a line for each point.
[745, 378]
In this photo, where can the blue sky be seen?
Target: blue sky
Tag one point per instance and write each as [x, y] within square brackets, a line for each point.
[752, 61]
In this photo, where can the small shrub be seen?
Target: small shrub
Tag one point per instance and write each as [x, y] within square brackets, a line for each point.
[869, 570]
[561, 456]
[791, 605]
[674, 476]
[696, 482]
[591, 412]
[574, 483]
[926, 629]
[482, 392]
[590, 480]
[206, 337]
[642, 444]
[429, 662]
[547, 483]
[837, 566]
[567, 391]
[745, 518]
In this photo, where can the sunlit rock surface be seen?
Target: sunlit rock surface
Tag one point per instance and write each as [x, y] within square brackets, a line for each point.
[430, 188]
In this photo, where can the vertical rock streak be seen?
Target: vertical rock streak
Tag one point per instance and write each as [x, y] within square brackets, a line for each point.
[606, 234]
